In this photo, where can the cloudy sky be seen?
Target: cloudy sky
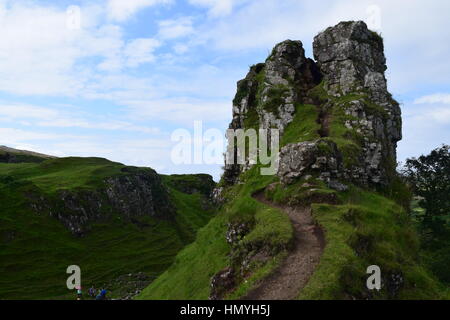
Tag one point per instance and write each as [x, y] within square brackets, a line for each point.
[115, 78]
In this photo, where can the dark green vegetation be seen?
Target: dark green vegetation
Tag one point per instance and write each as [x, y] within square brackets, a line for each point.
[429, 177]
[36, 248]
[362, 227]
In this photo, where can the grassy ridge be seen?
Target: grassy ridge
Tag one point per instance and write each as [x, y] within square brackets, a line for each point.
[10, 155]
[35, 249]
[368, 229]
[189, 276]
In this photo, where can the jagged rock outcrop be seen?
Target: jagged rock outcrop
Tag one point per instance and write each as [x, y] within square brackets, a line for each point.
[134, 194]
[348, 54]
[304, 158]
[358, 117]
[267, 96]
[351, 58]
[139, 192]
[288, 77]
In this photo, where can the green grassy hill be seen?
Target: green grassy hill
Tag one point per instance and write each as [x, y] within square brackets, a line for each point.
[10, 155]
[36, 248]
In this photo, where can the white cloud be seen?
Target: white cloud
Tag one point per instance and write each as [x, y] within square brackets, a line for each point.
[430, 116]
[424, 129]
[441, 115]
[175, 28]
[180, 48]
[12, 136]
[180, 110]
[39, 55]
[121, 10]
[261, 24]
[11, 112]
[140, 51]
[216, 7]
[434, 98]
[30, 115]
[416, 43]
[153, 153]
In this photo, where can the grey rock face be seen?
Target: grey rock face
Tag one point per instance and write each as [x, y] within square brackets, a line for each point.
[245, 96]
[137, 193]
[352, 60]
[336, 185]
[267, 96]
[346, 53]
[350, 69]
[303, 158]
[295, 160]
[222, 282]
[288, 77]
[235, 232]
[280, 71]
[269, 88]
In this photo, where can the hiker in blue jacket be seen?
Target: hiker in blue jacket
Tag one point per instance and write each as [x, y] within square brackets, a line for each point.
[101, 295]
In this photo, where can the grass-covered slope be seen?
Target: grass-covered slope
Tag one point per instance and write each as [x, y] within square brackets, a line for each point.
[36, 248]
[189, 277]
[362, 227]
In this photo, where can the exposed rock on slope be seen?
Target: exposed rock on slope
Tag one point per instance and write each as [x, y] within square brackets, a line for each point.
[321, 157]
[352, 60]
[268, 95]
[137, 192]
[348, 53]
[359, 120]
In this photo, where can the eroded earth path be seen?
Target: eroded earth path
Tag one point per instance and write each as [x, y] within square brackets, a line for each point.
[286, 282]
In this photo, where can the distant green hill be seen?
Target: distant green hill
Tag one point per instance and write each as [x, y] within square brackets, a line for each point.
[108, 218]
[10, 155]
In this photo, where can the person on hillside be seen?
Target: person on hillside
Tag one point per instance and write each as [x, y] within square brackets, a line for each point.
[79, 293]
[91, 291]
[101, 295]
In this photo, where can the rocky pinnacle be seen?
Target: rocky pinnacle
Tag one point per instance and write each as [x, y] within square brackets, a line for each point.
[349, 71]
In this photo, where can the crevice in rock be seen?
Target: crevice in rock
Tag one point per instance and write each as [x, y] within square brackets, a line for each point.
[324, 121]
